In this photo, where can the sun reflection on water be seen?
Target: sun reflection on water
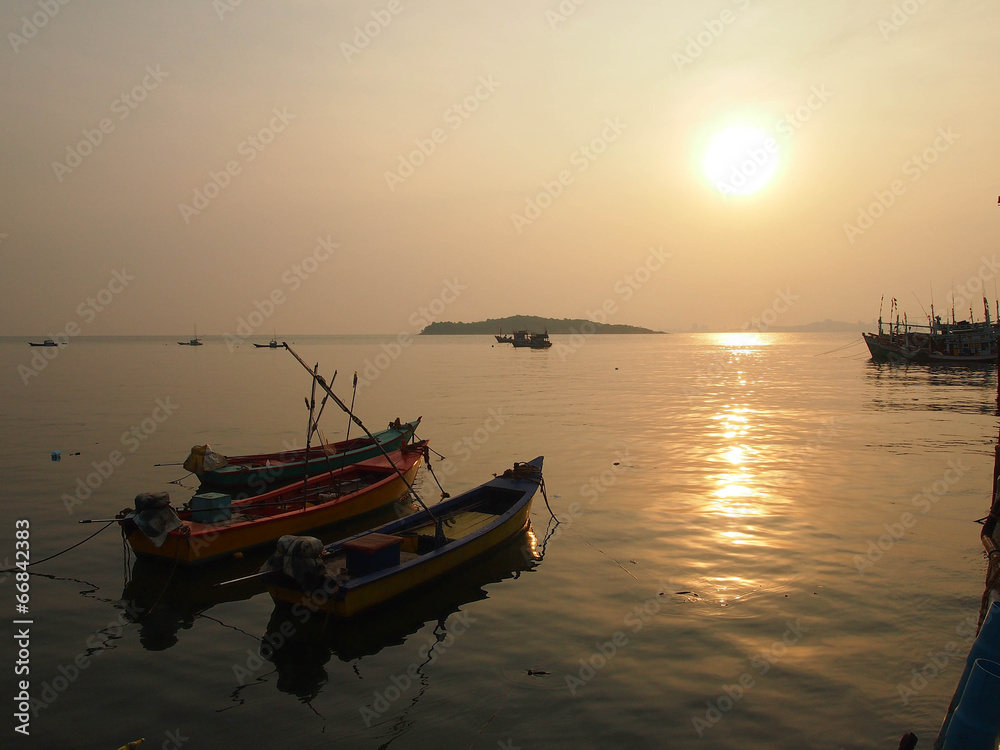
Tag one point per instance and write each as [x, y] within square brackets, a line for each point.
[738, 495]
[531, 549]
[740, 340]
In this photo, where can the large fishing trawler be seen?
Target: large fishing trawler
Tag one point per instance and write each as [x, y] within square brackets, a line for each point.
[959, 342]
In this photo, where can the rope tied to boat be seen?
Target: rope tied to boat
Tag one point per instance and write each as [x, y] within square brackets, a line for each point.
[46, 559]
[545, 496]
[177, 559]
[531, 473]
[430, 468]
[439, 455]
[523, 471]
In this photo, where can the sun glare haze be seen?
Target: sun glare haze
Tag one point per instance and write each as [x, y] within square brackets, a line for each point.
[534, 153]
[741, 160]
[653, 437]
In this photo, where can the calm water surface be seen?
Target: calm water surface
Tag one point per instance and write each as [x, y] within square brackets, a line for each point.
[764, 543]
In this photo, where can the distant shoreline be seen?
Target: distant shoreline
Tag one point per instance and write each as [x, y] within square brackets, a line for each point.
[487, 327]
[532, 324]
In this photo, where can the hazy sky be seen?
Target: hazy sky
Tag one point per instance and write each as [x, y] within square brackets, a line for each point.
[342, 165]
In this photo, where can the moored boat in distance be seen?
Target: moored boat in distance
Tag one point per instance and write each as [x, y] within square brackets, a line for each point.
[364, 571]
[47, 342]
[192, 342]
[255, 472]
[539, 341]
[938, 342]
[213, 526]
[525, 339]
[272, 344]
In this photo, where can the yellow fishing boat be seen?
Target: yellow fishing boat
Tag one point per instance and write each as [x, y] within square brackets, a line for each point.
[366, 570]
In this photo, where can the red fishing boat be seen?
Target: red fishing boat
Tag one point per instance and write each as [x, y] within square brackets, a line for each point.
[213, 526]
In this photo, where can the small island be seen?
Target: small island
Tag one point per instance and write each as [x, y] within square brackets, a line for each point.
[527, 323]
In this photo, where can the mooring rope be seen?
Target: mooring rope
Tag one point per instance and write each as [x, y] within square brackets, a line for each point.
[541, 484]
[177, 559]
[430, 468]
[46, 559]
[840, 348]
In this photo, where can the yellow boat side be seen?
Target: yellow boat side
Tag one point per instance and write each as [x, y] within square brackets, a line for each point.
[347, 601]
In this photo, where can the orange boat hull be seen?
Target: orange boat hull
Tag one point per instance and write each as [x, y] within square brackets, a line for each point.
[199, 543]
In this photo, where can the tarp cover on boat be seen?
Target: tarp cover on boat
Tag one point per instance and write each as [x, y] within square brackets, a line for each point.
[154, 516]
[202, 458]
[298, 558]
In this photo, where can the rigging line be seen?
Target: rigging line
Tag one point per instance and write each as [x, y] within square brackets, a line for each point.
[178, 481]
[430, 468]
[541, 484]
[428, 447]
[492, 717]
[359, 423]
[46, 559]
[347, 437]
[94, 588]
[840, 348]
[610, 557]
[548, 535]
[177, 559]
[202, 615]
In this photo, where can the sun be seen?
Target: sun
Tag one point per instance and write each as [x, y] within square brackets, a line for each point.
[741, 160]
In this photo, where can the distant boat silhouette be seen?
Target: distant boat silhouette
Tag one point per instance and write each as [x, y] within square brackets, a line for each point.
[272, 345]
[47, 342]
[525, 339]
[193, 342]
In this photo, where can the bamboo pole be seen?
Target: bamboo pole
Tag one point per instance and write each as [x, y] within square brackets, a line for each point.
[322, 384]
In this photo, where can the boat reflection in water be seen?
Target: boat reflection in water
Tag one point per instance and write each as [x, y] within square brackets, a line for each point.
[300, 643]
[165, 600]
[964, 388]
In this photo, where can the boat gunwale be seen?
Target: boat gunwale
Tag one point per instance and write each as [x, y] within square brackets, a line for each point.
[253, 462]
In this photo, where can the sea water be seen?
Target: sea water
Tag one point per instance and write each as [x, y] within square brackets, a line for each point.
[766, 541]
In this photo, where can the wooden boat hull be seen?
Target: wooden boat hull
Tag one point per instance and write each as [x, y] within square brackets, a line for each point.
[258, 471]
[200, 543]
[369, 633]
[954, 344]
[883, 351]
[368, 592]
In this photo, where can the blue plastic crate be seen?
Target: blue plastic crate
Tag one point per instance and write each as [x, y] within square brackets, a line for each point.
[211, 507]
